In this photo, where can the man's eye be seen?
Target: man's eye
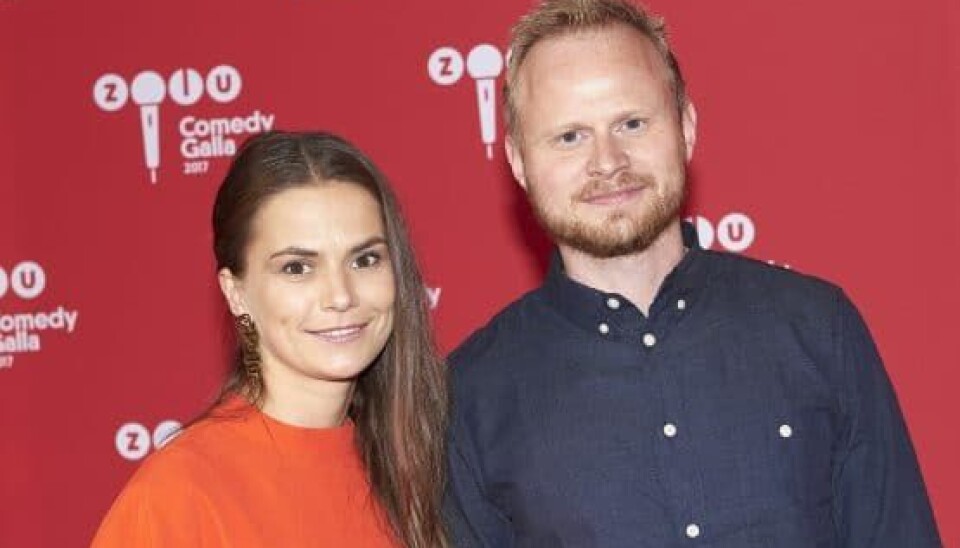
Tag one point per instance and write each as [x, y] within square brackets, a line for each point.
[634, 124]
[367, 260]
[295, 268]
[569, 138]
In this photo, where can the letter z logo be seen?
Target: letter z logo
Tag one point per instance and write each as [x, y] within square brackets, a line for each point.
[132, 441]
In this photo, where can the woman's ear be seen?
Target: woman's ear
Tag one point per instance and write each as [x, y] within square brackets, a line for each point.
[232, 290]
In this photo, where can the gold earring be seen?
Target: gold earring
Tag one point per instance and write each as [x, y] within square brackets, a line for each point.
[249, 345]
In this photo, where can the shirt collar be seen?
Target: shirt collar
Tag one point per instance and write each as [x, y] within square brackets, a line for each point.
[589, 308]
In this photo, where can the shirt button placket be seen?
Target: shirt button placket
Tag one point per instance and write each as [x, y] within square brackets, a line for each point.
[613, 304]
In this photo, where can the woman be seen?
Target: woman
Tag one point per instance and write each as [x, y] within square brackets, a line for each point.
[329, 430]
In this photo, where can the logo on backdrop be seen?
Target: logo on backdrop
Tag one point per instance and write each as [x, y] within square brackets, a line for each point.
[134, 441]
[484, 64]
[433, 296]
[21, 331]
[202, 139]
[735, 232]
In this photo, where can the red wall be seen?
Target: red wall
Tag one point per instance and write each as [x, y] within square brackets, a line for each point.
[832, 126]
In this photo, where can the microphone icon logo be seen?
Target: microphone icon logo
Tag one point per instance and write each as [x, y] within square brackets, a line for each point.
[484, 64]
[149, 89]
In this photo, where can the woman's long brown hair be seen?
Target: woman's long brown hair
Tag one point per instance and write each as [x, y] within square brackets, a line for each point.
[400, 401]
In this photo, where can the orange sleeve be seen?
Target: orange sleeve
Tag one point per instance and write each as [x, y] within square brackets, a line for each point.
[161, 506]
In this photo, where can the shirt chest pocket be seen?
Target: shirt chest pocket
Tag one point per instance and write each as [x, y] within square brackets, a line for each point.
[782, 457]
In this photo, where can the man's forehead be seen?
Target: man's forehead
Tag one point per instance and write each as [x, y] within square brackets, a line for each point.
[604, 53]
[611, 37]
[586, 49]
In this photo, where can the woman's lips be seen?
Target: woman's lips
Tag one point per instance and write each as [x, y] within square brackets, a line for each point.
[340, 334]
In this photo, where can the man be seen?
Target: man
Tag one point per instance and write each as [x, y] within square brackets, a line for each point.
[650, 393]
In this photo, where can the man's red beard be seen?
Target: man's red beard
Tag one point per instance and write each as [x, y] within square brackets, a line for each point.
[622, 232]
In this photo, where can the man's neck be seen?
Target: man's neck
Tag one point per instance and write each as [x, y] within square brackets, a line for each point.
[637, 276]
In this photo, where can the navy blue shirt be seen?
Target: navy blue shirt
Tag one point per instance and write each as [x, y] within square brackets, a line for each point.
[748, 409]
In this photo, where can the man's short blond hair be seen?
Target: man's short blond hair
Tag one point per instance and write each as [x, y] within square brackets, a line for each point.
[558, 17]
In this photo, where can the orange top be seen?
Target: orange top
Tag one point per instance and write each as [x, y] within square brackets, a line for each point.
[241, 479]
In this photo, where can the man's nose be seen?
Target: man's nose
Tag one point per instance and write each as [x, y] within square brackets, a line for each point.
[607, 157]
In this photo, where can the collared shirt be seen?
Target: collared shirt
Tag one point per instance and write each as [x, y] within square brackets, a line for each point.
[749, 408]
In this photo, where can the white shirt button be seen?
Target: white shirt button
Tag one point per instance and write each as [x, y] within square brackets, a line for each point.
[681, 304]
[649, 339]
[786, 431]
[603, 328]
[669, 430]
[693, 530]
[613, 303]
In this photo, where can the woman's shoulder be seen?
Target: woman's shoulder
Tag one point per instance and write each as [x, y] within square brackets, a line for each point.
[183, 457]
[187, 460]
[163, 491]
[174, 487]
[210, 442]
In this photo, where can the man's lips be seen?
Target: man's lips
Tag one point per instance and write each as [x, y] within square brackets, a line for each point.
[613, 196]
[340, 334]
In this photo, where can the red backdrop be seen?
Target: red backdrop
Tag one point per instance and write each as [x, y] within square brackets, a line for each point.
[828, 141]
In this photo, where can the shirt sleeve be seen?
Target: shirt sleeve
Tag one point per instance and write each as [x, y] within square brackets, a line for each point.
[879, 497]
[472, 519]
[159, 507]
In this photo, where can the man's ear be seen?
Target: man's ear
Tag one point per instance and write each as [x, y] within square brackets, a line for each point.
[232, 291]
[688, 122]
[515, 159]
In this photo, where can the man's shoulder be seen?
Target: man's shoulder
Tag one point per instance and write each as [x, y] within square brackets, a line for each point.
[502, 333]
[771, 283]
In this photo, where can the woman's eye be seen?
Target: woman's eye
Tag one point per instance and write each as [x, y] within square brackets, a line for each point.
[366, 260]
[295, 268]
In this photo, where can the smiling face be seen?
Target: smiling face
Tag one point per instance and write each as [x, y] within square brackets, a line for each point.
[600, 147]
[318, 285]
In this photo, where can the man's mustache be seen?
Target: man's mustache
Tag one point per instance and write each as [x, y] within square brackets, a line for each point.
[625, 180]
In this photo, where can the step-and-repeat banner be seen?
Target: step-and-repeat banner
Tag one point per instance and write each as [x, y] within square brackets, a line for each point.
[828, 144]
